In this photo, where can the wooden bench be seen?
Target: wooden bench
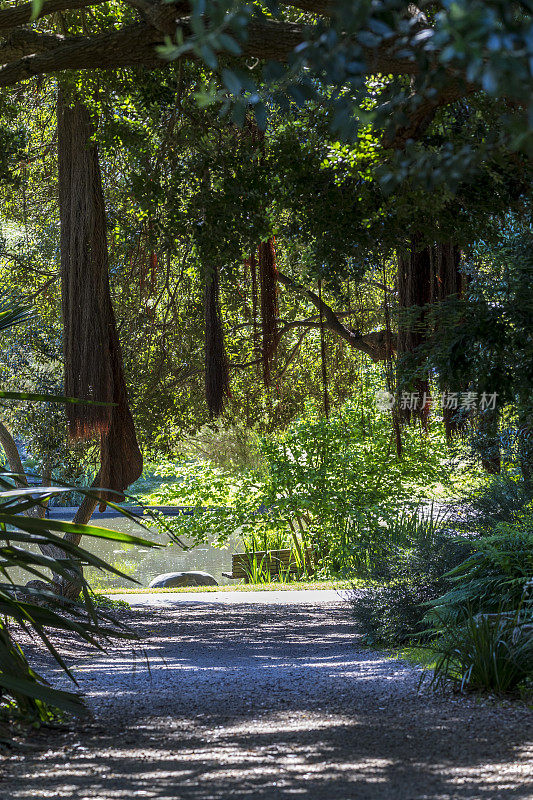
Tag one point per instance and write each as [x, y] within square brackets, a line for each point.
[271, 562]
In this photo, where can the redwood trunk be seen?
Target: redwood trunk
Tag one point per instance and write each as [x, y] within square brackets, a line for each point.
[92, 356]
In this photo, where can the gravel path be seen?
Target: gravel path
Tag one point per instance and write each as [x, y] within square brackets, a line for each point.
[274, 702]
[289, 597]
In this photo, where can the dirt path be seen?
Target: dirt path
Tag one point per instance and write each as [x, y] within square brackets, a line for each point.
[277, 702]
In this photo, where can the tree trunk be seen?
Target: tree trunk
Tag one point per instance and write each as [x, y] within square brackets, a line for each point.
[414, 294]
[93, 360]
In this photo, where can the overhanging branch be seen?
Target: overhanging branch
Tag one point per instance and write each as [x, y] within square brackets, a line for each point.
[28, 52]
[21, 15]
[379, 345]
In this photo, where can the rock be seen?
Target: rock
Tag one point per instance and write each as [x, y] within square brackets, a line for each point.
[173, 579]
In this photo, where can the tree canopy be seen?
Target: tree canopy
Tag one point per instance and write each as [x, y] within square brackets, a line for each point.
[353, 135]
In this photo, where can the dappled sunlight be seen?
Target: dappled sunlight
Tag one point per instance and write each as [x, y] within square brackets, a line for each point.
[280, 755]
[259, 703]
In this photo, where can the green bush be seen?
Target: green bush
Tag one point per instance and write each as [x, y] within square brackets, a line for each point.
[503, 499]
[483, 625]
[435, 580]
[493, 578]
[414, 570]
[391, 615]
[329, 485]
[486, 652]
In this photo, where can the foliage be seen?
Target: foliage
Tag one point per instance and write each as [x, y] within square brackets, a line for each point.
[502, 499]
[391, 615]
[258, 571]
[23, 546]
[488, 43]
[413, 568]
[231, 448]
[474, 614]
[185, 188]
[485, 652]
[494, 352]
[108, 603]
[493, 579]
[332, 486]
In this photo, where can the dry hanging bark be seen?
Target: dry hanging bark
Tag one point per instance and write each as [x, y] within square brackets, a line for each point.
[253, 280]
[92, 356]
[414, 293]
[217, 388]
[268, 280]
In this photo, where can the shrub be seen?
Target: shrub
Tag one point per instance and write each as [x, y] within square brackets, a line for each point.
[38, 609]
[394, 613]
[501, 500]
[325, 483]
[483, 625]
[391, 615]
[486, 652]
[493, 578]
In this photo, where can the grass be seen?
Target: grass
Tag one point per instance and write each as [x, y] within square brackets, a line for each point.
[417, 656]
[241, 587]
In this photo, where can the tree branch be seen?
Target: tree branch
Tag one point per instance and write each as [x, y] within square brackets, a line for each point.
[379, 345]
[28, 52]
[21, 15]
[26, 41]
[135, 45]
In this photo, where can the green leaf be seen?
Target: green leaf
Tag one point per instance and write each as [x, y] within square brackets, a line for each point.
[261, 116]
[208, 55]
[44, 525]
[54, 697]
[238, 114]
[36, 8]
[228, 43]
[231, 81]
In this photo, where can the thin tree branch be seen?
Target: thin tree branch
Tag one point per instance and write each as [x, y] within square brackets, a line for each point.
[377, 344]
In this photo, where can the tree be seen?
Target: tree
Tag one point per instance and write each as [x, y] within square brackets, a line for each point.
[436, 54]
[417, 72]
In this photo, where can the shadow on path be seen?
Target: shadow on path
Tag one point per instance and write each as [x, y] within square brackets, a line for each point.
[271, 702]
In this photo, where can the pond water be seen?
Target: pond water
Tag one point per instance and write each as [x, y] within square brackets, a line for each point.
[143, 563]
